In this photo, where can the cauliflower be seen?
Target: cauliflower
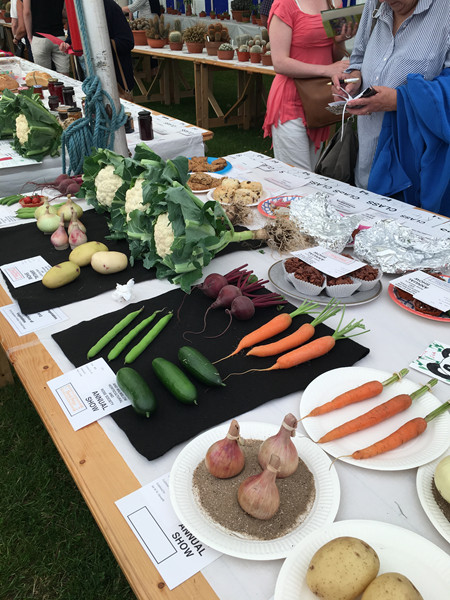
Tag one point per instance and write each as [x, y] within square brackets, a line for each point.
[133, 198]
[22, 129]
[163, 235]
[106, 184]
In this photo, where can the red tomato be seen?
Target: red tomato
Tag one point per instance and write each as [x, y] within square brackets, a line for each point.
[33, 201]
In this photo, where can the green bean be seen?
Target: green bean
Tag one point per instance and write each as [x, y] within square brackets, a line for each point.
[109, 335]
[25, 213]
[8, 200]
[147, 339]
[123, 343]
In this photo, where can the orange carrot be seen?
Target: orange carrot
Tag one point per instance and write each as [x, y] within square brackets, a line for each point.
[408, 431]
[300, 336]
[273, 327]
[367, 390]
[376, 415]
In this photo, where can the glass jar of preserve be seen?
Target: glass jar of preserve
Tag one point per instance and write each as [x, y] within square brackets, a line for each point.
[58, 88]
[53, 102]
[51, 86]
[68, 95]
[62, 111]
[74, 112]
[129, 125]
[38, 89]
[145, 125]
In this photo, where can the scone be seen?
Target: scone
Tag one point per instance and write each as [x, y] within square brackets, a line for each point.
[221, 194]
[230, 184]
[254, 186]
[244, 196]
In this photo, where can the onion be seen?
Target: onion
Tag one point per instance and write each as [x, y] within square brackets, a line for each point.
[281, 445]
[48, 222]
[225, 458]
[66, 209]
[59, 238]
[76, 237]
[74, 220]
[258, 495]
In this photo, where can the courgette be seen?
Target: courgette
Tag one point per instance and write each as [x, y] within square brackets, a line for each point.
[134, 386]
[175, 381]
[199, 366]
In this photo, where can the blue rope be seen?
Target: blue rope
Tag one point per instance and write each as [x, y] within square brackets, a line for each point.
[97, 130]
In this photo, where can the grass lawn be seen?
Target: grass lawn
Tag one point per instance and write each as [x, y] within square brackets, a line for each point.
[50, 545]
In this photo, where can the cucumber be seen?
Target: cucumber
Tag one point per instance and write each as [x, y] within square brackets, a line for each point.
[175, 381]
[134, 386]
[199, 366]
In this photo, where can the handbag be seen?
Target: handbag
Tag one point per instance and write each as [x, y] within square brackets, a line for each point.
[338, 160]
[315, 94]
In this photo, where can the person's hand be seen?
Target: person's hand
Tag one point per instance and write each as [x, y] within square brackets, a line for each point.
[348, 31]
[384, 100]
[336, 71]
[64, 47]
[351, 88]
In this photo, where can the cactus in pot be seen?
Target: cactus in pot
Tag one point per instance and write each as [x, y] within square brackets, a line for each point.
[255, 53]
[175, 40]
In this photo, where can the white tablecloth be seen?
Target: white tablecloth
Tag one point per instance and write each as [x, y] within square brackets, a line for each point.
[395, 339]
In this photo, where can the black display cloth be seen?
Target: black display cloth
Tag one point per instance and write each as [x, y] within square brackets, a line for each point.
[174, 422]
[24, 241]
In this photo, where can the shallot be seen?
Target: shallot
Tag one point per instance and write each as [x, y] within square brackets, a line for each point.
[258, 495]
[281, 445]
[59, 238]
[225, 458]
[77, 237]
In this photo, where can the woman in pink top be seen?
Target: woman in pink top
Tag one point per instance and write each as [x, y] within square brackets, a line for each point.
[299, 48]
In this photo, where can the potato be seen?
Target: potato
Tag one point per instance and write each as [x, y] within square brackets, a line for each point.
[109, 262]
[391, 586]
[342, 569]
[82, 254]
[61, 274]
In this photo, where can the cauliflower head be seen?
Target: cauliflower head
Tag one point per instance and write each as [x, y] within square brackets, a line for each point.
[133, 198]
[22, 129]
[163, 235]
[106, 184]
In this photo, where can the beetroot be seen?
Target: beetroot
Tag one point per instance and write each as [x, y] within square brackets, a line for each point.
[242, 308]
[212, 285]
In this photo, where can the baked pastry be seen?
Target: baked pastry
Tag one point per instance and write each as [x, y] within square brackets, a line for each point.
[245, 196]
[200, 163]
[254, 186]
[203, 181]
[230, 184]
[37, 78]
[7, 82]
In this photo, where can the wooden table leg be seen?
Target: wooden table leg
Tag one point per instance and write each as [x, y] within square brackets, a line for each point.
[6, 376]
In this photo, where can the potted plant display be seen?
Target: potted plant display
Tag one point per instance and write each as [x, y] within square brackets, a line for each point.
[175, 40]
[243, 53]
[138, 27]
[255, 53]
[225, 52]
[157, 32]
[238, 7]
[266, 58]
[195, 38]
[217, 34]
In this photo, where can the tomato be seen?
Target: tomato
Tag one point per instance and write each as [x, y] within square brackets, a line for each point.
[35, 200]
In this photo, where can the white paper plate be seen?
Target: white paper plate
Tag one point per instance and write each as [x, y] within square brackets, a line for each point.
[424, 480]
[190, 514]
[399, 550]
[423, 449]
[196, 192]
[263, 195]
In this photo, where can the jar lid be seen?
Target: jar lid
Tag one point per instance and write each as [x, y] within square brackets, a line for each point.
[144, 113]
[59, 83]
[63, 108]
[53, 97]
[73, 109]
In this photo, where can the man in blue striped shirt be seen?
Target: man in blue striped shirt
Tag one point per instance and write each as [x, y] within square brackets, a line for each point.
[410, 36]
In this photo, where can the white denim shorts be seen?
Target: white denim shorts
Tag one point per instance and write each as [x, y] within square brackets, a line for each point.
[45, 52]
[292, 145]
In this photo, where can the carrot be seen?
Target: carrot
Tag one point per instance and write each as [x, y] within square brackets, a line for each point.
[376, 415]
[314, 349]
[367, 390]
[300, 336]
[273, 327]
[408, 431]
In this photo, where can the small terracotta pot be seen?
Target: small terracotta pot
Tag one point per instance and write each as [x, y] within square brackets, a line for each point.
[243, 56]
[176, 46]
[195, 47]
[225, 54]
[156, 43]
[266, 59]
[140, 39]
[237, 15]
[255, 57]
[212, 47]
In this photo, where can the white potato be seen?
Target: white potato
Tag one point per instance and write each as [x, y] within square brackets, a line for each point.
[391, 586]
[342, 569]
[109, 262]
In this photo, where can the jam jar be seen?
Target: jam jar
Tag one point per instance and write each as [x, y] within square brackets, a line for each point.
[145, 125]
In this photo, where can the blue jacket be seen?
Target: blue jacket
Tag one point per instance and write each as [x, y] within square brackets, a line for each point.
[412, 160]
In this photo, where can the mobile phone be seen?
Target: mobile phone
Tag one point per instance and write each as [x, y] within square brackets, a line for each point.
[367, 92]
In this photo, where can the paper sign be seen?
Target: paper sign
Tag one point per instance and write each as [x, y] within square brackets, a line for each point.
[8, 220]
[347, 205]
[26, 271]
[175, 552]
[435, 361]
[24, 324]
[327, 261]
[426, 288]
[10, 158]
[88, 393]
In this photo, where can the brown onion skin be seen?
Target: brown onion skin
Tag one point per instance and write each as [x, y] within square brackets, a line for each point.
[225, 457]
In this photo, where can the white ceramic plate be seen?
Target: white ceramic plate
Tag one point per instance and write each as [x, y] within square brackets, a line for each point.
[276, 276]
[190, 514]
[423, 449]
[424, 480]
[263, 195]
[399, 550]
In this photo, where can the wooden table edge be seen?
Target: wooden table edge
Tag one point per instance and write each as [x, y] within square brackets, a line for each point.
[99, 471]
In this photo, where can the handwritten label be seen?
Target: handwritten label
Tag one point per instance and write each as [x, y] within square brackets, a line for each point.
[426, 288]
[328, 262]
[25, 271]
[24, 324]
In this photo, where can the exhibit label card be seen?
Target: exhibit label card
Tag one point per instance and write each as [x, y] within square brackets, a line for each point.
[23, 272]
[435, 361]
[426, 288]
[24, 324]
[172, 548]
[88, 393]
[328, 262]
